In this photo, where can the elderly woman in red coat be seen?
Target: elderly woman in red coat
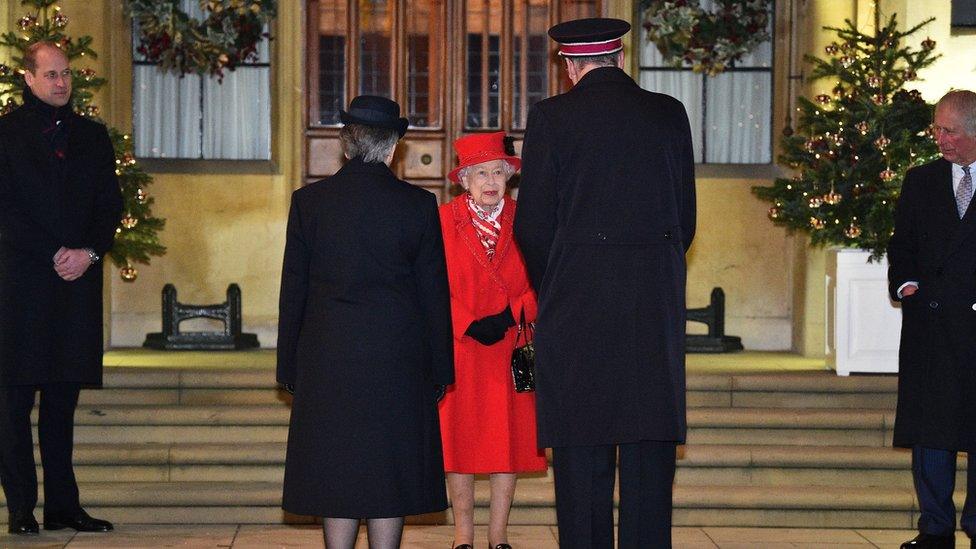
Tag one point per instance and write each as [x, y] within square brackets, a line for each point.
[486, 427]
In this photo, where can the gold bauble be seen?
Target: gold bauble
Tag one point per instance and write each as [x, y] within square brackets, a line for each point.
[128, 273]
[852, 231]
[141, 196]
[815, 202]
[862, 127]
[882, 142]
[823, 99]
[817, 223]
[874, 81]
[832, 49]
[833, 197]
[129, 222]
[928, 44]
[887, 174]
[846, 61]
[774, 212]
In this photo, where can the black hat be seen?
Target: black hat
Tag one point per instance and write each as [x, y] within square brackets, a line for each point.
[375, 111]
[588, 37]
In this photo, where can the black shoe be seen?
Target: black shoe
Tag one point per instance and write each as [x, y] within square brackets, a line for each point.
[79, 520]
[22, 524]
[464, 546]
[500, 546]
[928, 541]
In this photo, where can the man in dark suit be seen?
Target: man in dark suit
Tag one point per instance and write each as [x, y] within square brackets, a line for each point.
[933, 273]
[606, 213]
[59, 207]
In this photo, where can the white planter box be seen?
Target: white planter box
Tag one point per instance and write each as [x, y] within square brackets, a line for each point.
[863, 324]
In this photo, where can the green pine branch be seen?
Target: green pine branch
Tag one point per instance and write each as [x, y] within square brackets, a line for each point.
[855, 141]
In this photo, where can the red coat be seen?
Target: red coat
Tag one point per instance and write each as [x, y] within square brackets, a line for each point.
[486, 427]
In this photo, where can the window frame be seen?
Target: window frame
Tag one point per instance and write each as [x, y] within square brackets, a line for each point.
[183, 164]
[771, 70]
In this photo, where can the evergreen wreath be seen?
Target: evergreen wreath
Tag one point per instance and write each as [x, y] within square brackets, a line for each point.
[226, 38]
[710, 41]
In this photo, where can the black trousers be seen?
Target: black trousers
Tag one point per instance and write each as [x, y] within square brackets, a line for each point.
[934, 472]
[55, 431]
[584, 478]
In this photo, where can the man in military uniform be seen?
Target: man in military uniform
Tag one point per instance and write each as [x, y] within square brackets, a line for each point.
[606, 214]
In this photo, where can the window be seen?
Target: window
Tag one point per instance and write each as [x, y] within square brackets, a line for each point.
[194, 117]
[730, 114]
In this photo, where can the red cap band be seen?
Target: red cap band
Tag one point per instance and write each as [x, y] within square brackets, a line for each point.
[591, 48]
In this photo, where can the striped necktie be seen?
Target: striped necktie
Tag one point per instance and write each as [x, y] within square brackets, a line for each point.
[964, 194]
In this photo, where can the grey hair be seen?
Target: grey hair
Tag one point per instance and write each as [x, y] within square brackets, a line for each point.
[605, 60]
[369, 143]
[963, 103]
[506, 165]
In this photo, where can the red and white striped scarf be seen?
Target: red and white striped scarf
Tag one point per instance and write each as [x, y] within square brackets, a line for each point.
[486, 225]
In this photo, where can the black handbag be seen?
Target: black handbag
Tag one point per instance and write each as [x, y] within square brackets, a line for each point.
[523, 357]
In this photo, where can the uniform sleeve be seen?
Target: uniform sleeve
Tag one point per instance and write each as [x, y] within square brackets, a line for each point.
[688, 206]
[535, 218]
[430, 269]
[108, 197]
[903, 246]
[294, 291]
[17, 229]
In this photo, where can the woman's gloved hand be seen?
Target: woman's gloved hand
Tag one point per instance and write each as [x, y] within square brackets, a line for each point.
[491, 329]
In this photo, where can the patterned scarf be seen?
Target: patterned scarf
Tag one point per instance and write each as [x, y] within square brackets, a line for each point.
[486, 225]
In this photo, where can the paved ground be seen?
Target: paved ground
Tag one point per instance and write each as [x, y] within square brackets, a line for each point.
[134, 536]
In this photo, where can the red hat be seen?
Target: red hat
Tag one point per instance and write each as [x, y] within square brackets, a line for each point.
[481, 147]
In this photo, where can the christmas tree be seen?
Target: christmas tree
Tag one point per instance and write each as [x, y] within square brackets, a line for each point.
[855, 141]
[137, 237]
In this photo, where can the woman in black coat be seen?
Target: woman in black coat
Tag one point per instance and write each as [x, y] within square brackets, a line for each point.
[364, 337]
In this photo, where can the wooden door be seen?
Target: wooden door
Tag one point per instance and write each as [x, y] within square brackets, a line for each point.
[454, 66]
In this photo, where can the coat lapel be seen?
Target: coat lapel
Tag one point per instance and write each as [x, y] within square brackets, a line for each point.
[968, 222]
[38, 150]
[469, 235]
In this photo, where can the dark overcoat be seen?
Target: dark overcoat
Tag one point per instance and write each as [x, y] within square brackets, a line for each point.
[606, 213]
[364, 334]
[50, 329]
[937, 357]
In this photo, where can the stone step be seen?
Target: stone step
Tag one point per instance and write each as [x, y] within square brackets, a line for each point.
[792, 390]
[269, 423]
[257, 502]
[257, 386]
[698, 465]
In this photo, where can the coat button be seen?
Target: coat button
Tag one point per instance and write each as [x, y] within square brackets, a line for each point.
[934, 304]
[601, 236]
[938, 272]
[667, 235]
[974, 306]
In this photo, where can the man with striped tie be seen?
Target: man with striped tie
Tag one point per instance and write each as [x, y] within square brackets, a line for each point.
[933, 273]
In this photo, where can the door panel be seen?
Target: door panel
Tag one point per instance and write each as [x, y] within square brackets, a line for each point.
[454, 66]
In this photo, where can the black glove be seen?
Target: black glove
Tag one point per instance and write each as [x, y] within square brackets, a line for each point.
[491, 329]
[439, 392]
[288, 387]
